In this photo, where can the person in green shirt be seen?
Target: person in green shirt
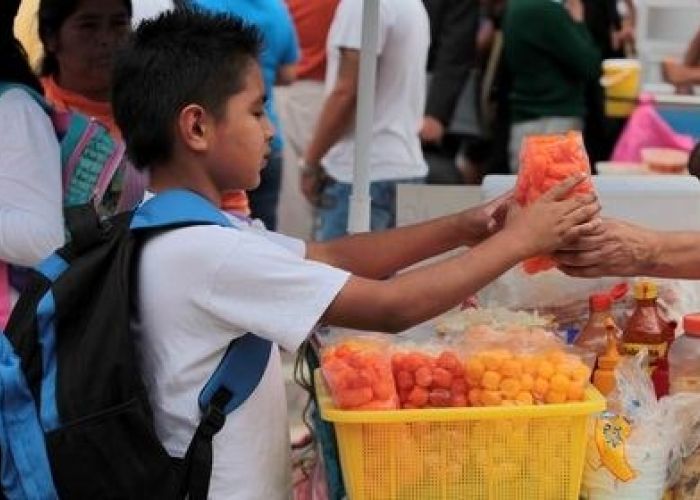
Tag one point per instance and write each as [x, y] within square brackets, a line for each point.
[550, 56]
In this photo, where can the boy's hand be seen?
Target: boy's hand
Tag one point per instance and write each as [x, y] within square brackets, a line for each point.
[482, 221]
[553, 221]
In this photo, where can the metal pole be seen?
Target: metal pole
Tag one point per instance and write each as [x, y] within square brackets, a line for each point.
[360, 201]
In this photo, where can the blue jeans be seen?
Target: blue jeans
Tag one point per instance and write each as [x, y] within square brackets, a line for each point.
[265, 198]
[332, 215]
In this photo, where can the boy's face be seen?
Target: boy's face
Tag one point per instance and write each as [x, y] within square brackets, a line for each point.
[242, 137]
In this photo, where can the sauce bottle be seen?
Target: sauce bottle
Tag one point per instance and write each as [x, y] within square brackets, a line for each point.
[604, 376]
[646, 328]
[593, 334]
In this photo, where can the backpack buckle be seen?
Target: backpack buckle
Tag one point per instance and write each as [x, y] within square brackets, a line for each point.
[214, 419]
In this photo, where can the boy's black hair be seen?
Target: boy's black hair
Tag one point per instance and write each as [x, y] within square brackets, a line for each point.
[52, 15]
[14, 67]
[181, 57]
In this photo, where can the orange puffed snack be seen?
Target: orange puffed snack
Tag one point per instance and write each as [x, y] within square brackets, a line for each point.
[499, 377]
[546, 160]
[358, 373]
[429, 381]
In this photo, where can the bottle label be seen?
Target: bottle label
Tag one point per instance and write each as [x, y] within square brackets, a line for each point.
[656, 351]
[611, 433]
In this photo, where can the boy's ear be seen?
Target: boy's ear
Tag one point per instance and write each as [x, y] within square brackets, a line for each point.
[195, 127]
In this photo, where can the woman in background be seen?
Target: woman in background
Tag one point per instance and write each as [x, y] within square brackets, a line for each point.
[31, 221]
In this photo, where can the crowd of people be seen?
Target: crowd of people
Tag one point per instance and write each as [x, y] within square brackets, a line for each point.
[248, 103]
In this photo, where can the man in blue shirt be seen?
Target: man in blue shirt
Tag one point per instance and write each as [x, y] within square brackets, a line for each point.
[279, 54]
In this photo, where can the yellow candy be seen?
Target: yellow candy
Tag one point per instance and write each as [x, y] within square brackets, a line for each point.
[524, 398]
[491, 380]
[566, 369]
[527, 382]
[491, 398]
[559, 383]
[541, 387]
[581, 373]
[575, 392]
[474, 368]
[545, 369]
[512, 368]
[555, 397]
[529, 365]
[510, 387]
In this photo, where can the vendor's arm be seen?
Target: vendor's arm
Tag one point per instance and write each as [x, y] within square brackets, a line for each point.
[415, 296]
[623, 249]
[396, 249]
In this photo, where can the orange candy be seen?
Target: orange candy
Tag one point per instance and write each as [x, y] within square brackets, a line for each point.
[425, 381]
[544, 162]
[359, 376]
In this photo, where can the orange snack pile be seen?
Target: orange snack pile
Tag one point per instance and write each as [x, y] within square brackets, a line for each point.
[546, 160]
[499, 377]
[358, 373]
[425, 381]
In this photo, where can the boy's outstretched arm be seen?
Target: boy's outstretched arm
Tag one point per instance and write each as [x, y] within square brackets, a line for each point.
[382, 254]
[410, 298]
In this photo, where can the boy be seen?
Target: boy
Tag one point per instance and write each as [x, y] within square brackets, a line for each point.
[189, 94]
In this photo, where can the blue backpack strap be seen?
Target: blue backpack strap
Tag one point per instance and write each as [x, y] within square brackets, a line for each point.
[177, 207]
[25, 471]
[242, 367]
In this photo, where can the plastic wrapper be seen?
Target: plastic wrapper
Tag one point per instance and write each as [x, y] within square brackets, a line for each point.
[565, 299]
[458, 322]
[545, 161]
[521, 366]
[358, 373]
[635, 450]
[429, 376]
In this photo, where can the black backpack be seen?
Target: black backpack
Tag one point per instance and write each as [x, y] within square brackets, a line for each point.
[75, 418]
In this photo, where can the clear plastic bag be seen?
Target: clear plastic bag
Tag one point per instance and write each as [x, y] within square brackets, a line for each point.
[429, 375]
[636, 449]
[522, 366]
[358, 373]
[545, 161]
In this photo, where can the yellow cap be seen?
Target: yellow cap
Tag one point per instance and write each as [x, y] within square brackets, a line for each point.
[645, 289]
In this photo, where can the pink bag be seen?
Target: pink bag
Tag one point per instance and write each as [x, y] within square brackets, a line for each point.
[5, 295]
[647, 129]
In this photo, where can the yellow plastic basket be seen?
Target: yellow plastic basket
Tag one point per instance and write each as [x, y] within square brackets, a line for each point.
[499, 453]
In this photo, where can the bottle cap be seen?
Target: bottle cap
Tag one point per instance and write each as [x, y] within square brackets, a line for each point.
[644, 290]
[691, 325]
[600, 302]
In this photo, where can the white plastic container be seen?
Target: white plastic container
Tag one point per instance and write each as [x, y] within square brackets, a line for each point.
[684, 358]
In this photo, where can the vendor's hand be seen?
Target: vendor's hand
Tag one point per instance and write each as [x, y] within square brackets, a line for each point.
[482, 221]
[617, 249]
[553, 221]
[312, 181]
[432, 130]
